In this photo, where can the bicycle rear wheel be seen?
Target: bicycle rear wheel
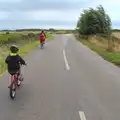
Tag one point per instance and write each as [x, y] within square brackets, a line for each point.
[13, 90]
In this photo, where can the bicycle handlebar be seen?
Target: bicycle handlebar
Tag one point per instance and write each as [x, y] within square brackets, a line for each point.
[22, 64]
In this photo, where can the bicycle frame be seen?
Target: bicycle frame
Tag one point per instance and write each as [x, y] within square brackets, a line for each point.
[14, 77]
[14, 83]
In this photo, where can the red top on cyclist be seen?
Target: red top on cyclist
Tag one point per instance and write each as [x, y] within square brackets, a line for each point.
[42, 36]
[13, 60]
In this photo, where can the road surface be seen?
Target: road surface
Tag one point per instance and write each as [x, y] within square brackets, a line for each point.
[64, 81]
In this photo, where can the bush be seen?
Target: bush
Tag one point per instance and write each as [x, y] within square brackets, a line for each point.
[7, 33]
[31, 35]
[93, 21]
[16, 39]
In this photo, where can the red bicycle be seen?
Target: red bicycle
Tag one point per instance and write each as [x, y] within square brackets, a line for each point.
[16, 80]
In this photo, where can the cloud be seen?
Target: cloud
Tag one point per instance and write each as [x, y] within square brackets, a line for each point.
[35, 24]
[3, 15]
[41, 18]
[51, 13]
[45, 15]
[30, 5]
[9, 1]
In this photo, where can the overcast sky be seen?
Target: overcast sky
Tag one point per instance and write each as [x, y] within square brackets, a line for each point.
[15, 14]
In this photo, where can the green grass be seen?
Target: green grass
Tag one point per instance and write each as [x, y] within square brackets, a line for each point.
[63, 32]
[113, 57]
[23, 51]
[50, 36]
[5, 37]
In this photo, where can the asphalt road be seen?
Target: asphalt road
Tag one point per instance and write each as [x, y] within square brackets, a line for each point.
[64, 81]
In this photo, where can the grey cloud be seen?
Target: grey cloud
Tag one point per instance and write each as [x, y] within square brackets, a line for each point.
[26, 5]
[36, 22]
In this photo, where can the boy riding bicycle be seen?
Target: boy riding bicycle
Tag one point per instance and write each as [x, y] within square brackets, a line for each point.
[13, 61]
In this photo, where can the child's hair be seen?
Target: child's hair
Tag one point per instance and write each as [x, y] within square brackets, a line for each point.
[14, 49]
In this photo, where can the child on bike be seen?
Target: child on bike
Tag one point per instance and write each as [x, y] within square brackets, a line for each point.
[13, 61]
[42, 38]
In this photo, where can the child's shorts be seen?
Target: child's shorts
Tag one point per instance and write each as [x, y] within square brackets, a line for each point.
[14, 72]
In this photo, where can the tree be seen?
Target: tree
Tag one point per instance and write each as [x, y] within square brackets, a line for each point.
[93, 21]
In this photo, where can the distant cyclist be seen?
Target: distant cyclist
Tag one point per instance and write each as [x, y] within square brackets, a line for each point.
[42, 38]
[13, 61]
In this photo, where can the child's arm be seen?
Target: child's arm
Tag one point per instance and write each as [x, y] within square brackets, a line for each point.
[22, 61]
[7, 59]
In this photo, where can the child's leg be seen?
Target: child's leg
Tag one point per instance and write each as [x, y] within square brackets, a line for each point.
[10, 78]
[41, 45]
[20, 76]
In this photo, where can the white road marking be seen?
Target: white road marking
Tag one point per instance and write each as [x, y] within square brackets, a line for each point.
[82, 115]
[65, 59]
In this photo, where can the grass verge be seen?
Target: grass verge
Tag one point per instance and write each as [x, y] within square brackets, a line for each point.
[113, 57]
[23, 51]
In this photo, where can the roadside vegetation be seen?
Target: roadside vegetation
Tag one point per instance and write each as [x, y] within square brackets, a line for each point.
[64, 31]
[54, 31]
[94, 29]
[26, 40]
